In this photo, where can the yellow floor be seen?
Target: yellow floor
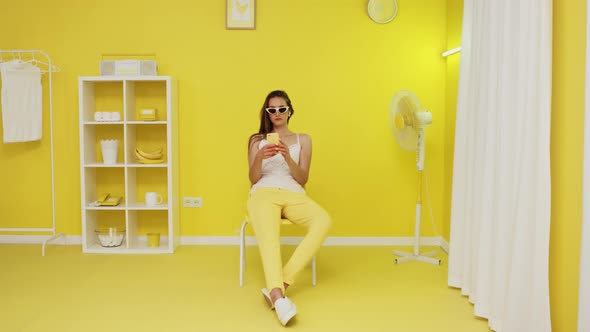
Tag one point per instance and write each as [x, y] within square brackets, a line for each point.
[196, 289]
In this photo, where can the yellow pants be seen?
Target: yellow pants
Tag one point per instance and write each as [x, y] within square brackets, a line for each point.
[266, 207]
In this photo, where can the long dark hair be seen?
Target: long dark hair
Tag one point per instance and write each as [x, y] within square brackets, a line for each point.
[266, 125]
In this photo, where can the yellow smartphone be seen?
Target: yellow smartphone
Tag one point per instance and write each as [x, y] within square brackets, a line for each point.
[272, 138]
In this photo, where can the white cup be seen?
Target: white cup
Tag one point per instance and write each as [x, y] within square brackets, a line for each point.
[153, 199]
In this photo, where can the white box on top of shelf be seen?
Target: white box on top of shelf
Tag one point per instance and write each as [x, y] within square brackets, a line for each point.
[128, 68]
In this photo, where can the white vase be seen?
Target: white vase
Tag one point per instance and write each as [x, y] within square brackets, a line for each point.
[109, 149]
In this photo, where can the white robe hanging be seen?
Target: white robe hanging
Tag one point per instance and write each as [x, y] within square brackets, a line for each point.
[22, 105]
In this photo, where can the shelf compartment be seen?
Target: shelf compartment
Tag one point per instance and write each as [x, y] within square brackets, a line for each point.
[146, 95]
[92, 136]
[146, 138]
[103, 96]
[140, 222]
[103, 220]
[104, 180]
[142, 180]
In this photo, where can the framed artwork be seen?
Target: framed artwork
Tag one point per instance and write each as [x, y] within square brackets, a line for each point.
[240, 14]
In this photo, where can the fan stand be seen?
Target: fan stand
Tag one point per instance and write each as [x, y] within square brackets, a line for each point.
[416, 256]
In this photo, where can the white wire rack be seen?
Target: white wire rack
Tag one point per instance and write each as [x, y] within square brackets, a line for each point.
[43, 61]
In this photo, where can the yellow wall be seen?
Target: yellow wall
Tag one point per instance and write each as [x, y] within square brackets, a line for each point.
[567, 137]
[454, 21]
[340, 68]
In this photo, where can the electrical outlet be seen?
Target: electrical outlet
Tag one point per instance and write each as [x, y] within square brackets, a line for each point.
[192, 202]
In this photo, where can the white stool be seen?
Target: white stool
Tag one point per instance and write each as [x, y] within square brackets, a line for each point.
[243, 253]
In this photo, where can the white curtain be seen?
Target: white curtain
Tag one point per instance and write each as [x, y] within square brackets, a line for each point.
[501, 199]
[584, 300]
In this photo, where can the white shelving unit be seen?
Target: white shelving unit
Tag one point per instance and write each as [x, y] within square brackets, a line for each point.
[129, 178]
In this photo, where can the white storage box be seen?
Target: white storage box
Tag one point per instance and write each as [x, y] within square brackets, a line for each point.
[128, 67]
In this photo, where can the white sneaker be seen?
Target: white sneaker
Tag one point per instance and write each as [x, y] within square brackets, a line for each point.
[267, 298]
[285, 310]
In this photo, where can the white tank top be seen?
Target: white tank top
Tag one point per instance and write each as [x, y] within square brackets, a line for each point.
[276, 172]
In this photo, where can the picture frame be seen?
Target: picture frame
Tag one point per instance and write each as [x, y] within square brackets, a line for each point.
[240, 14]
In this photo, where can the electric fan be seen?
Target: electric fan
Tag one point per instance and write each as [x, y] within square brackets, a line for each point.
[408, 122]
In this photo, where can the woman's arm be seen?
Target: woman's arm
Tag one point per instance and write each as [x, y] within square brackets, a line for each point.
[300, 172]
[255, 157]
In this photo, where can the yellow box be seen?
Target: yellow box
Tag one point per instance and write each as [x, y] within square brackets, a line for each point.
[147, 114]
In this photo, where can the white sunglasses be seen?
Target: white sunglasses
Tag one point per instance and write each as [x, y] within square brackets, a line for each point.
[273, 110]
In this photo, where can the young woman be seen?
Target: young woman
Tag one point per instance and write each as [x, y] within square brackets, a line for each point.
[278, 173]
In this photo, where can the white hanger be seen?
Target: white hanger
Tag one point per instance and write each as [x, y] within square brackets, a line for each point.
[43, 66]
[36, 62]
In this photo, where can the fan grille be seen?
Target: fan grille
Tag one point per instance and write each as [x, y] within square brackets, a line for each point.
[402, 109]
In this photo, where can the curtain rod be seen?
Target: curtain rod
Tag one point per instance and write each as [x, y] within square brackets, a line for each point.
[451, 51]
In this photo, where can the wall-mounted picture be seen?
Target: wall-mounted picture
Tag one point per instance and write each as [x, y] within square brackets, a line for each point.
[240, 14]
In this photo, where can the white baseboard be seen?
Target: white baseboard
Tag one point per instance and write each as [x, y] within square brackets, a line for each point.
[39, 239]
[250, 240]
[210, 240]
[330, 241]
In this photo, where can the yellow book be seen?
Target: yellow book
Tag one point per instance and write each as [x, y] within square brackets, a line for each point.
[147, 114]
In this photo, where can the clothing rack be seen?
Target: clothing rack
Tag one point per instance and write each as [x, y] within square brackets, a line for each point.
[43, 61]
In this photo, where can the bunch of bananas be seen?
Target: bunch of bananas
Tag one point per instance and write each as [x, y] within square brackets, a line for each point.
[152, 157]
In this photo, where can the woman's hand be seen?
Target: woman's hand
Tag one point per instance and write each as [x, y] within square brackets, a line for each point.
[283, 149]
[268, 151]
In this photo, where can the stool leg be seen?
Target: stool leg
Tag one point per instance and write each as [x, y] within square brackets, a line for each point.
[313, 276]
